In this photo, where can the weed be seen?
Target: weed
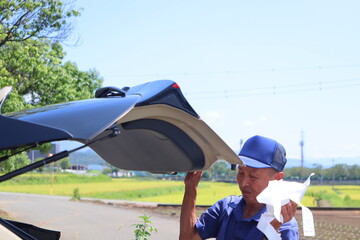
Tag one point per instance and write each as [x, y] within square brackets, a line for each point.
[143, 229]
[76, 194]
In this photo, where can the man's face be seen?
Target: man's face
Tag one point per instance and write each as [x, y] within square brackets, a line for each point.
[253, 180]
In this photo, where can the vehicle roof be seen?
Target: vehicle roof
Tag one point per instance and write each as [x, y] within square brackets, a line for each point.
[159, 130]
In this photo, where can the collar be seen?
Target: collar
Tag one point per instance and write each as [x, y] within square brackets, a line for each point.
[238, 210]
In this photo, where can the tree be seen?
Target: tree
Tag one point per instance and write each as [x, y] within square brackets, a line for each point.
[354, 172]
[297, 173]
[65, 163]
[35, 70]
[15, 162]
[221, 170]
[31, 58]
[335, 173]
[21, 20]
[340, 171]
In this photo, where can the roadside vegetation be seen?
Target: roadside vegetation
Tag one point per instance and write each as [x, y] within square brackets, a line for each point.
[338, 173]
[161, 191]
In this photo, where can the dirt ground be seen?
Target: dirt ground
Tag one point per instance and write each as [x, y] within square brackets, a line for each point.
[336, 224]
[344, 217]
[329, 224]
[347, 217]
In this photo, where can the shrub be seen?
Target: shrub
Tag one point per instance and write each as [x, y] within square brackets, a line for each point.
[143, 229]
[76, 194]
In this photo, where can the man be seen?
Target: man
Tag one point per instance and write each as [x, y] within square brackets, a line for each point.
[236, 217]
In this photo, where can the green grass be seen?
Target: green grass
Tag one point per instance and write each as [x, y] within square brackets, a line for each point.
[208, 193]
[161, 191]
[337, 196]
[63, 178]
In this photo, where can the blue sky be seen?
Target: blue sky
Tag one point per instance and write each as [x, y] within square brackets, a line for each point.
[273, 68]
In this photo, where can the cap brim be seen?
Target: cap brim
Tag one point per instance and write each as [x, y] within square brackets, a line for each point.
[249, 162]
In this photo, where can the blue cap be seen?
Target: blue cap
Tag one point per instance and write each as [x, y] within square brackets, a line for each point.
[262, 152]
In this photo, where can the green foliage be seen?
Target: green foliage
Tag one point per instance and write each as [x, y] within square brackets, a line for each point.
[76, 194]
[65, 163]
[334, 196]
[33, 64]
[349, 202]
[339, 172]
[206, 175]
[144, 229]
[316, 195]
[38, 76]
[298, 173]
[139, 194]
[221, 170]
[163, 191]
[94, 172]
[14, 162]
[107, 171]
[59, 178]
[22, 20]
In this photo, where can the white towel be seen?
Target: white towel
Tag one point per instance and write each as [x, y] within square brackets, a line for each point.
[277, 194]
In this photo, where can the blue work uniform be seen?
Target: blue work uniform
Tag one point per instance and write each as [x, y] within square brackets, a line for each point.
[224, 221]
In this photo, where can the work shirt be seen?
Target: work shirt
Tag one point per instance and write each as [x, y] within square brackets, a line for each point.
[224, 221]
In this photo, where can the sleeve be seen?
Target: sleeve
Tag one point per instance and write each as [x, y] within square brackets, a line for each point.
[290, 230]
[208, 225]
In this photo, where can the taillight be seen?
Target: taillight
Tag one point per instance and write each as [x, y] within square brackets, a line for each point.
[175, 85]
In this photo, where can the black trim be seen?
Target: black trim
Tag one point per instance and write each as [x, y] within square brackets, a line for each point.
[36, 232]
[56, 157]
[18, 232]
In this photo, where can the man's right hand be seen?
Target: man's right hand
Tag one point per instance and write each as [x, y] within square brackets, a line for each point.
[192, 179]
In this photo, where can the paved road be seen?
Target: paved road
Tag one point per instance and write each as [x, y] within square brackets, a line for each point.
[82, 220]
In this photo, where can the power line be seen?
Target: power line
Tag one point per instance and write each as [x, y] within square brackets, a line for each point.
[275, 90]
[234, 72]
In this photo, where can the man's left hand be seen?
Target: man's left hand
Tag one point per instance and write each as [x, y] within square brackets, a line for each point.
[288, 212]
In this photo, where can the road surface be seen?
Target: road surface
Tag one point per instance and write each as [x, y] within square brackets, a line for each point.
[83, 220]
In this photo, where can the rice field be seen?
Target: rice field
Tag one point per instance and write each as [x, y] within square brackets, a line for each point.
[160, 191]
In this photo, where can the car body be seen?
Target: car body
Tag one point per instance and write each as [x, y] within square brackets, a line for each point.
[148, 127]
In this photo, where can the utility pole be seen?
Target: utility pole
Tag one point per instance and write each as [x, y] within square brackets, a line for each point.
[333, 173]
[52, 175]
[302, 148]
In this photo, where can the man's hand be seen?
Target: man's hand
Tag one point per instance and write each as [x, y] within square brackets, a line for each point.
[192, 179]
[288, 212]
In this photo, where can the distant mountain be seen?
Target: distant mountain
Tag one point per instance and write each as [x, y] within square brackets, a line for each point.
[87, 157]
